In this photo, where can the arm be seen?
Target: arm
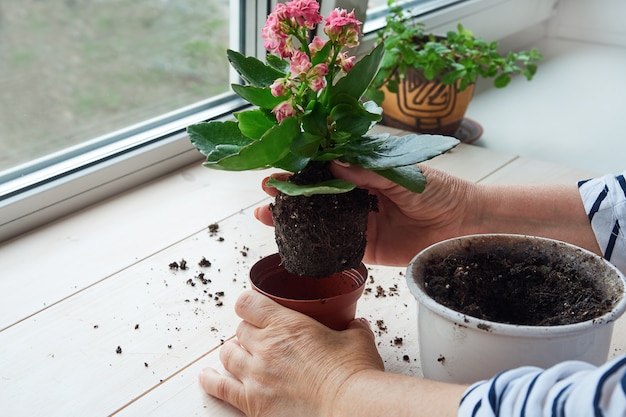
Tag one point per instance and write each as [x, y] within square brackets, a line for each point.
[380, 394]
[547, 210]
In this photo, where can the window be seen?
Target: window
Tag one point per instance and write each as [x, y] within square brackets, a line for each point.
[96, 94]
[88, 85]
[81, 69]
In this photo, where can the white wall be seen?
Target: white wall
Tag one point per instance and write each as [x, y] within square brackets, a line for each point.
[601, 21]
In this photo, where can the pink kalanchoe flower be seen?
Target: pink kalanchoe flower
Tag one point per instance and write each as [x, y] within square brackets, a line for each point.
[300, 63]
[316, 76]
[304, 12]
[274, 37]
[345, 61]
[343, 28]
[316, 45]
[283, 111]
[279, 87]
[281, 11]
[317, 83]
[321, 69]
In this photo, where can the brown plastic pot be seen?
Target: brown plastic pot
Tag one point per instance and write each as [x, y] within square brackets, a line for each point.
[329, 300]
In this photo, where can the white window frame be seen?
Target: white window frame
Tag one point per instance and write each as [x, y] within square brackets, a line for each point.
[38, 198]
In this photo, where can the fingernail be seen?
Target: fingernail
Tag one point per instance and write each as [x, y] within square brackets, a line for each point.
[256, 212]
[340, 163]
[365, 322]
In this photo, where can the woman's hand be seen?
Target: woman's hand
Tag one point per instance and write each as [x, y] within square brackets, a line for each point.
[406, 222]
[284, 363]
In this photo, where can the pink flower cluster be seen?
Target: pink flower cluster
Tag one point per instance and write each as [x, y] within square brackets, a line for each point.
[286, 34]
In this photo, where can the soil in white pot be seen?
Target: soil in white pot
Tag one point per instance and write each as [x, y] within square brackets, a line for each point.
[526, 290]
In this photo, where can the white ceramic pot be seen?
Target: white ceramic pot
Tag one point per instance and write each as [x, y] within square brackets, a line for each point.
[455, 347]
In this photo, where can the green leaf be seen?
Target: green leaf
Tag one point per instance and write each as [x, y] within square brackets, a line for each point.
[375, 95]
[306, 145]
[278, 64]
[359, 78]
[263, 153]
[292, 163]
[261, 97]
[314, 121]
[322, 55]
[207, 136]
[502, 80]
[409, 177]
[335, 186]
[254, 123]
[352, 118]
[375, 152]
[252, 70]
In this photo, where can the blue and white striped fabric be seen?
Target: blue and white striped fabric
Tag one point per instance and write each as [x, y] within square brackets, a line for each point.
[605, 203]
[569, 388]
[565, 390]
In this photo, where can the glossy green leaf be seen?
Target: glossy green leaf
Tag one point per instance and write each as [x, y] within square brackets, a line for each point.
[291, 163]
[395, 151]
[410, 177]
[314, 121]
[272, 147]
[252, 70]
[306, 145]
[278, 64]
[261, 97]
[206, 136]
[335, 186]
[322, 55]
[254, 123]
[359, 78]
[352, 118]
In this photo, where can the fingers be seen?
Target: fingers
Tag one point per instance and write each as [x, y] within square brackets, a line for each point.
[264, 215]
[269, 190]
[236, 360]
[281, 176]
[224, 387]
[256, 309]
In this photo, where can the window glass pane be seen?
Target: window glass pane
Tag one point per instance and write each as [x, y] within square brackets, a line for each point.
[378, 8]
[73, 70]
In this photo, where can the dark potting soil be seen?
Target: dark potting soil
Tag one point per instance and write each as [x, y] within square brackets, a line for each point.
[527, 293]
[323, 234]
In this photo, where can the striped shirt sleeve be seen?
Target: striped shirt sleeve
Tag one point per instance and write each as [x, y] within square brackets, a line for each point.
[568, 389]
[604, 199]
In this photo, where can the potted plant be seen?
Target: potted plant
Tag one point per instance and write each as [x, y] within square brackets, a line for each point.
[493, 302]
[307, 112]
[426, 82]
